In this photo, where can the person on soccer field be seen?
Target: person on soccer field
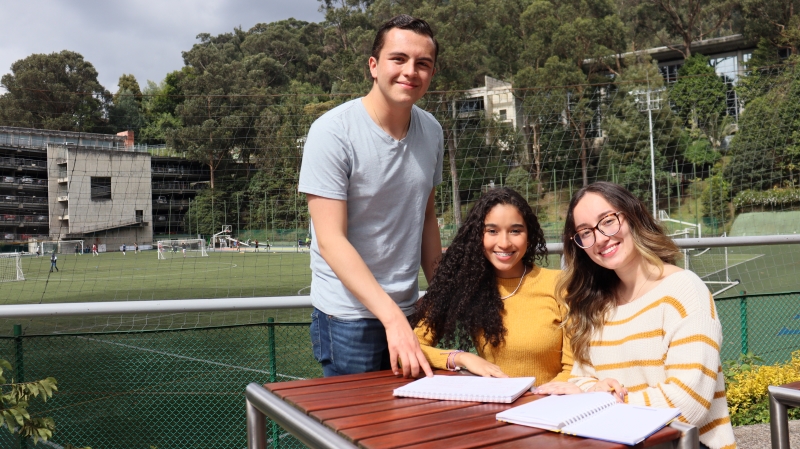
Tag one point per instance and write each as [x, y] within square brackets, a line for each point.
[640, 326]
[183, 249]
[94, 250]
[161, 251]
[135, 248]
[53, 259]
[368, 242]
[77, 250]
[123, 249]
[256, 245]
[488, 294]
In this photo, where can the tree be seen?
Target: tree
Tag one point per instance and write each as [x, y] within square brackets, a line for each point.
[776, 22]
[626, 150]
[766, 149]
[57, 91]
[128, 83]
[701, 97]
[680, 23]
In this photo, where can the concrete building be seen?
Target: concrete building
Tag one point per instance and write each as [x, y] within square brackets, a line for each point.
[99, 195]
[99, 188]
[495, 99]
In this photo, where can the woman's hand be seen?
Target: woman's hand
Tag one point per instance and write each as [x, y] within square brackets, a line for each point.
[612, 386]
[477, 365]
[557, 388]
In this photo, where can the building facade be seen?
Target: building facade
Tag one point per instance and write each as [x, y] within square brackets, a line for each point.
[99, 188]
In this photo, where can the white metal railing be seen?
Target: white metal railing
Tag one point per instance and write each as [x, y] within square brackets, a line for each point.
[293, 302]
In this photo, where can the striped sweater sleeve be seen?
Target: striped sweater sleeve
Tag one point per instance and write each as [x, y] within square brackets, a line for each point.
[691, 362]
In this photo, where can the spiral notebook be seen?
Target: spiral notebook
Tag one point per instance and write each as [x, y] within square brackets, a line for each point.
[467, 388]
[592, 415]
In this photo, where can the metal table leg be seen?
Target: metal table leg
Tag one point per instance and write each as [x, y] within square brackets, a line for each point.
[779, 400]
[690, 436]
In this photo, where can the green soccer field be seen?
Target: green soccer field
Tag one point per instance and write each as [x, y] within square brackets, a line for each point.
[139, 277]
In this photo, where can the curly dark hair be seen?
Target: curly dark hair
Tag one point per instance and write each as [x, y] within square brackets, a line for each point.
[462, 302]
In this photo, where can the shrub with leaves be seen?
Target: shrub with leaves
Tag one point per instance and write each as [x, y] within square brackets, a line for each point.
[14, 408]
[747, 387]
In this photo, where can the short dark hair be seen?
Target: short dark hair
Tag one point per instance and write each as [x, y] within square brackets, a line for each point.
[404, 22]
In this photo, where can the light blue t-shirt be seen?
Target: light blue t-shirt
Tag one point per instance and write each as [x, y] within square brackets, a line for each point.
[386, 184]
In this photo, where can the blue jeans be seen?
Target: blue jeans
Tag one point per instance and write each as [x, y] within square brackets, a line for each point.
[348, 346]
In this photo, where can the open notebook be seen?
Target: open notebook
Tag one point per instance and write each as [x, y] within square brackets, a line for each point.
[467, 388]
[592, 415]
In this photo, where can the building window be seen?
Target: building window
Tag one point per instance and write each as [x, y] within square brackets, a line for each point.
[503, 114]
[101, 188]
[139, 216]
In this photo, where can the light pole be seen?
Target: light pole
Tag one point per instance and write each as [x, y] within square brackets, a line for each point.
[650, 100]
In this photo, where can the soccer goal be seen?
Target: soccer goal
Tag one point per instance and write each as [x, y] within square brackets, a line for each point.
[62, 247]
[11, 268]
[181, 248]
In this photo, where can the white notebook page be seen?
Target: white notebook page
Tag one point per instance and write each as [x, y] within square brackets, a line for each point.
[467, 388]
[554, 412]
[623, 423]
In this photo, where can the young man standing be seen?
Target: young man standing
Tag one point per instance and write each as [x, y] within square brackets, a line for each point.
[370, 168]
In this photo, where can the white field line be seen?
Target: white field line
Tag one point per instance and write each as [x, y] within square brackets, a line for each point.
[729, 266]
[178, 356]
[116, 275]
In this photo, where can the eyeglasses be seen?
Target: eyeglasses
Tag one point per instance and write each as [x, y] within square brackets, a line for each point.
[608, 226]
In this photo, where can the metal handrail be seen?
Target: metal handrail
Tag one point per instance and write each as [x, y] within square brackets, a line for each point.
[288, 302]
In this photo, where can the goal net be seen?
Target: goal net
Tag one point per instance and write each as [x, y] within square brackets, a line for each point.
[11, 268]
[181, 248]
[62, 247]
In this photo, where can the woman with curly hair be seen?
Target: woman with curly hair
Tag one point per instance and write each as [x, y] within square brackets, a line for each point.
[487, 294]
[641, 327]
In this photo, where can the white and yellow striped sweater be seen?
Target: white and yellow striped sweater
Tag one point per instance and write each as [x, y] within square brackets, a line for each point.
[664, 347]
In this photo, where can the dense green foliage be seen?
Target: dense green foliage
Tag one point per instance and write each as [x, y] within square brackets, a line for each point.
[243, 99]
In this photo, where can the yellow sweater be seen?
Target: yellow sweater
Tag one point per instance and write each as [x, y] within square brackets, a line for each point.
[535, 344]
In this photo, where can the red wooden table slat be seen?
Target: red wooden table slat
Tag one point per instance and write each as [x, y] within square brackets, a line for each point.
[397, 403]
[406, 418]
[344, 386]
[553, 440]
[278, 386]
[328, 395]
[349, 402]
[793, 386]
[662, 436]
[484, 438]
[432, 433]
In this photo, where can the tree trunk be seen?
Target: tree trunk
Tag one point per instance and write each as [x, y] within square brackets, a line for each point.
[584, 151]
[211, 172]
[451, 153]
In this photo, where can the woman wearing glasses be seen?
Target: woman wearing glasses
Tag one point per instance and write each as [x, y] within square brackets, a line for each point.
[641, 327]
[488, 294]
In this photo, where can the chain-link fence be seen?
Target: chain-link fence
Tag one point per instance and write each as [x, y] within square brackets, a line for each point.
[173, 389]
[185, 388]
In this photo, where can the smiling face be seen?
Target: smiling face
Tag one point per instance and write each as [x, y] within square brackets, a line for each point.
[616, 252]
[405, 67]
[505, 240]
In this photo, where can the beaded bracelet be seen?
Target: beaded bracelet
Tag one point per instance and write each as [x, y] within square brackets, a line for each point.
[451, 361]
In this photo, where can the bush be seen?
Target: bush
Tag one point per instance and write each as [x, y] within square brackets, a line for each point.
[748, 400]
[772, 197]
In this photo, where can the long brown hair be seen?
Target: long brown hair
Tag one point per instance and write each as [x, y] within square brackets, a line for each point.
[588, 289]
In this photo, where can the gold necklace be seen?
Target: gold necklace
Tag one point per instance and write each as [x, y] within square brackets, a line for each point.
[380, 123]
[636, 295]
[524, 270]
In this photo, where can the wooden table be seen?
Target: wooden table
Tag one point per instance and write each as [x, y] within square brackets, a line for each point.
[360, 411]
[781, 398]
